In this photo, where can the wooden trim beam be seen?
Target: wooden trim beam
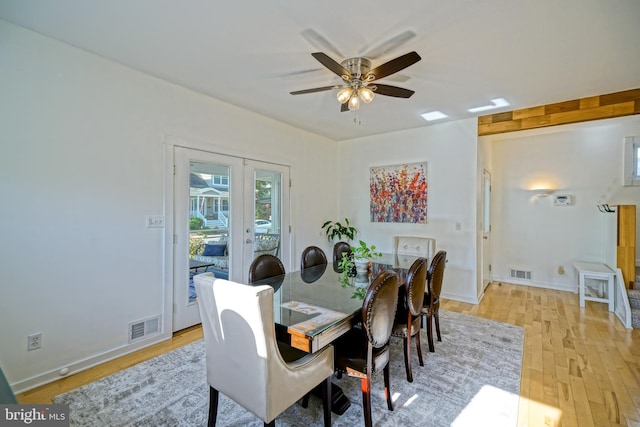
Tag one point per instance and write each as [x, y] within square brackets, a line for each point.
[607, 106]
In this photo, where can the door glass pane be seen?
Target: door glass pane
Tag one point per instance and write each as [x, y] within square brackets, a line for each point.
[209, 221]
[267, 212]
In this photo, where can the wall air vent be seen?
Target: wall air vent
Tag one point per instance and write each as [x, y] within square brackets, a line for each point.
[520, 274]
[144, 328]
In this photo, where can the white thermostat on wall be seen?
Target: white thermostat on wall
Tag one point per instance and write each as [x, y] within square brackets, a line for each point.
[562, 200]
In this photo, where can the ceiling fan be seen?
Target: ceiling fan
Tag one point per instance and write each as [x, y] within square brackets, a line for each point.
[358, 78]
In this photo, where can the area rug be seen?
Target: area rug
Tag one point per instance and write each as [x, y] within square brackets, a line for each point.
[472, 379]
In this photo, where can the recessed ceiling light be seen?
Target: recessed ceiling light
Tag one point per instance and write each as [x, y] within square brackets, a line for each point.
[433, 115]
[495, 103]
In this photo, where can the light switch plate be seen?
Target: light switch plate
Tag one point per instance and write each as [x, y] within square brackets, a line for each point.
[154, 221]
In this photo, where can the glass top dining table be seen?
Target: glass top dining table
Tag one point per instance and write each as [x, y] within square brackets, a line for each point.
[312, 307]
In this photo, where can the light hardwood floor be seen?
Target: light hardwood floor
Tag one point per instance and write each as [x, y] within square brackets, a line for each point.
[580, 367]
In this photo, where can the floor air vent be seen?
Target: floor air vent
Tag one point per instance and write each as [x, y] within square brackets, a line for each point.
[144, 328]
[520, 274]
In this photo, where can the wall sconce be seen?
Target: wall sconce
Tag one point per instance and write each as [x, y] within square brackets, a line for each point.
[542, 192]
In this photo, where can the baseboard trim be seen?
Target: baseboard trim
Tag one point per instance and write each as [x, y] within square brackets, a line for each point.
[84, 364]
[553, 286]
[461, 298]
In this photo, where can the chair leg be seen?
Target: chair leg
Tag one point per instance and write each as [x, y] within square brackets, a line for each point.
[213, 406]
[326, 400]
[305, 400]
[419, 347]
[271, 424]
[430, 333]
[387, 387]
[407, 357]
[435, 316]
[366, 400]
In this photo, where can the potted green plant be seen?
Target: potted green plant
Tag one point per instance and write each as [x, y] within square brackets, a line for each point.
[336, 230]
[362, 255]
[348, 278]
[365, 251]
[356, 264]
[348, 269]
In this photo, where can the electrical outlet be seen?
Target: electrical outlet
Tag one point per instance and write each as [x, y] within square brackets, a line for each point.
[34, 341]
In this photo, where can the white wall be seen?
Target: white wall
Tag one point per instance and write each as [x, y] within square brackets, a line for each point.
[82, 163]
[450, 149]
[529, 233]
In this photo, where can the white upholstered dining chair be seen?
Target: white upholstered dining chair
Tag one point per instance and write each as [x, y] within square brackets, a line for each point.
[242, 356]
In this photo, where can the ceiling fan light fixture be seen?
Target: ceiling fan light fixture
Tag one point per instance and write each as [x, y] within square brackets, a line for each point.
[344, 95]
[357, 76]
[366, 94]
[354, 102]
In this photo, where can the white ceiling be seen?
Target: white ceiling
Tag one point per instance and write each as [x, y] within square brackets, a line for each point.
[252, 53]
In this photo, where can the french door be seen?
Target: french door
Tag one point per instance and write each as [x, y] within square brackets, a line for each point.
[227, 210]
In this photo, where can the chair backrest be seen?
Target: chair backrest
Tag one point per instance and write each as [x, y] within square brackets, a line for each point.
[265, 266]
[338, 249]
[436, 273]
[379, 308]
[239, 335]
[413, 245]
[311, 274]
[415, 285]
[312, 255]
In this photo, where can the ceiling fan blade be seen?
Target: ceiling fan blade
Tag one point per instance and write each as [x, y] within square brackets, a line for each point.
[389, 45]
[344, 107]
[394, 91]
[317, 89]
[319, 42]
[332, 65]
[393, 66]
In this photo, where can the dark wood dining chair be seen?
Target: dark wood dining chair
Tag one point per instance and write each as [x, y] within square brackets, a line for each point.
[312, 274]
[364, 350]
[312, 256]
[431, 304]
[408, 314]
[340, 248]
[267, 269]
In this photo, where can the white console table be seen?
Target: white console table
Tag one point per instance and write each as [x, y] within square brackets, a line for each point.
[598, 272]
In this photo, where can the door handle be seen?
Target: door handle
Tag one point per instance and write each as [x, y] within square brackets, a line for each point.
[248, 241]
[485, 237]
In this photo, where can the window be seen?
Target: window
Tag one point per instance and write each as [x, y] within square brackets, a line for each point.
[221, 180]
[632, 160]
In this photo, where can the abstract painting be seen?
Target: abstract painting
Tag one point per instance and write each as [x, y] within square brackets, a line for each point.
[398, 193]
